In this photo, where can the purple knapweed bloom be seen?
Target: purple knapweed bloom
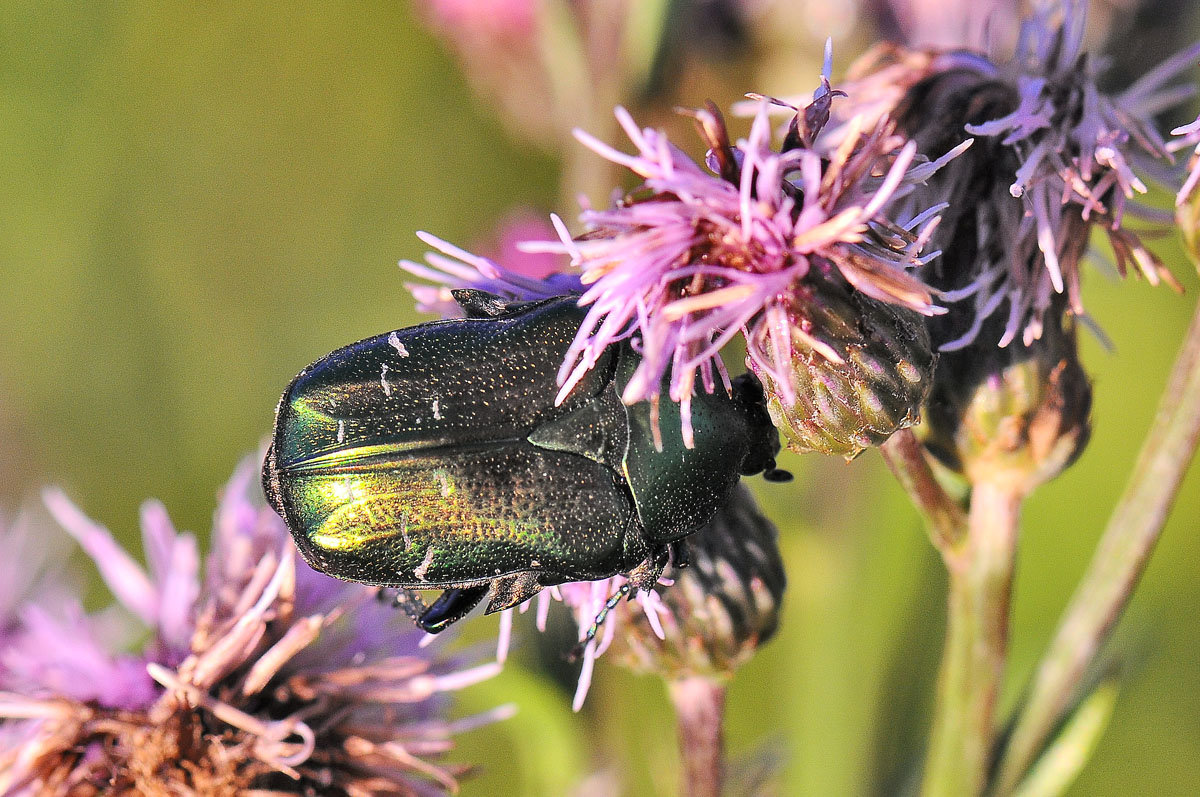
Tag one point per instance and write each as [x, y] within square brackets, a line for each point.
[1078, 149]
[1075, 157]
[697, 255]
[258, 673]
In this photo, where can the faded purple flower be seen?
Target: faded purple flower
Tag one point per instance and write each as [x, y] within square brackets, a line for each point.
[1078, 146]
[1070, 155]
[475, 19]
[1188, 136]
[263, 674]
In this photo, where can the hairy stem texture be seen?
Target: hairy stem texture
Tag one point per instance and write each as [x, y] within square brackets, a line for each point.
[976, 647]
[700, 709]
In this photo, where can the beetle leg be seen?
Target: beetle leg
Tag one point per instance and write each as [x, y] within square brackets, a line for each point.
[452, 605]
[512, 591]
[777, 475]
[594, 628]
[646, 575]
[642, 578]
[680, 556]
[407, 600]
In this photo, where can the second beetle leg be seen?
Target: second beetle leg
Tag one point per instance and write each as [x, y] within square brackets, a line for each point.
[451, 606]
[407, 600]
[609, 605]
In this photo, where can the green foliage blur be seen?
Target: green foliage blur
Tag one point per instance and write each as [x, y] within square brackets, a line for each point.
[198, 199]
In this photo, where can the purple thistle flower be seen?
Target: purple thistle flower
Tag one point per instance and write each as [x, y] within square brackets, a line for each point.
[526, 275]
[1077, 157]
[746, 244]
[1078, 146]
[263, 674]
[696, 255]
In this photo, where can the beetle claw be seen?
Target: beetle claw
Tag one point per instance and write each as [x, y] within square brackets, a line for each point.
[450, 607]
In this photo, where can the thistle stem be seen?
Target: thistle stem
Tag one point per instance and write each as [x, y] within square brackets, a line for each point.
[976, 647]
[1118, 563]
[947, 522]
[700, 709]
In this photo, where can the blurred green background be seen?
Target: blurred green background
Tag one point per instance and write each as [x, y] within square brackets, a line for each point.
[197, 199]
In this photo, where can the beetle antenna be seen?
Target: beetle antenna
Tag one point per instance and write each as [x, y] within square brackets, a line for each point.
[594, 628]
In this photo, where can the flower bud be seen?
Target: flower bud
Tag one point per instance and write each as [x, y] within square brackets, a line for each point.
[721, 606]
[1014, 416]
[863, 379]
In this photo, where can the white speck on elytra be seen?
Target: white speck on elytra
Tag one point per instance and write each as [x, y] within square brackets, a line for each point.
[387, 389]
[423, 568]
[341, 434]
[444, 481]
[404, 531]
[394, 342]
[437, 413]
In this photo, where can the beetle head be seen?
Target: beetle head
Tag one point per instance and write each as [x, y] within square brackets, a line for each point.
[763, 437]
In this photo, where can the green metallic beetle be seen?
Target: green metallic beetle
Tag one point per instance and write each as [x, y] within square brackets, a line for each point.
[434, 457]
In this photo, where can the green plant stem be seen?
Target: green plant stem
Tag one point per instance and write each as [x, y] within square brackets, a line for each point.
[700, 709]
[1062, 762]
[1118, 563]
[944, 516]
[976, 647]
